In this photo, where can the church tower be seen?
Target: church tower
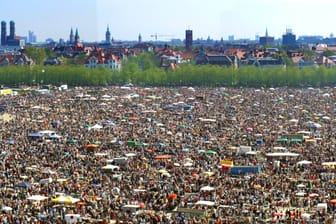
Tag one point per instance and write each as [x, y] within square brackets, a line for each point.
[77, 39]
[3, 33]
[108, 35]
[139, 38]
[72, 38]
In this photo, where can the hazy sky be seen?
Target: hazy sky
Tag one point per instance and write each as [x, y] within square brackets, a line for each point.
[169, 19]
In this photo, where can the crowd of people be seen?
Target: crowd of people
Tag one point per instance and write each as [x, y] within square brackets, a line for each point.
[165, 155]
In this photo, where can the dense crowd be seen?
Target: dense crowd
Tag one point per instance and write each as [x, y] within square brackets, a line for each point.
[161, 155]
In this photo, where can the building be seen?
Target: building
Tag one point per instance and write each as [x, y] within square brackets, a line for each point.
[266, 40]
[11, 39]
[310, 39]
[31, 37]
[139, 38]
[188, 39]
[100, 59]
[3, 33]
[231, 38]
[289, 39]
[77, 39]
[72, 37]
[108, 36]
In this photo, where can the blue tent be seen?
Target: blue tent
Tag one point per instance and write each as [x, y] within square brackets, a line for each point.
[54, 136]
[24, 185]
[35, 135]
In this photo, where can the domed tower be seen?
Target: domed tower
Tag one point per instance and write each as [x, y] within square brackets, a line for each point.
[3, 33]
[11, 30]
[108, 35]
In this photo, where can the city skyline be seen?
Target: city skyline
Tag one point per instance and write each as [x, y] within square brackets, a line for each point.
[169, 20]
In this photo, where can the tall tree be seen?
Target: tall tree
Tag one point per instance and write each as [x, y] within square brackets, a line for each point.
[37, 54]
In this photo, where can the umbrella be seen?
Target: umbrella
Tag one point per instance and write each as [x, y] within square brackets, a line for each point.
[162, 157]
[313, 195]
[63, 199]
[37, 198]
[162, 171]
[257, 186]
[142, 205]
[194, 175]
[81, 203]
[91, 146]
[172, 196]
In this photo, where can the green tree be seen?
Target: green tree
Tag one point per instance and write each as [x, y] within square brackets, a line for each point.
[328, 53]
[37, 54]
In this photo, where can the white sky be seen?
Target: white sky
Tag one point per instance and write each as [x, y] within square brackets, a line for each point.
[128, 18]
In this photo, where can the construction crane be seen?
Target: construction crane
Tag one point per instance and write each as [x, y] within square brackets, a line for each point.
[160, 35]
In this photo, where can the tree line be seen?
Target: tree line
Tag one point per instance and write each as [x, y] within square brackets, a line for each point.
[143, 71]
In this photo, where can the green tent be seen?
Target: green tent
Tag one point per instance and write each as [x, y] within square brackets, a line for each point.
[71, 141]
[211, 152]
[282, 140]
[131, 143]
[296, 140]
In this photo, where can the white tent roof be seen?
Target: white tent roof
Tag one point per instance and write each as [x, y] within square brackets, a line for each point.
[207, 203]
[280, 154]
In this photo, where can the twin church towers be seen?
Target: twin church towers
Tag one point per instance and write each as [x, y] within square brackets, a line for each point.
[11, 39]
[75, 39]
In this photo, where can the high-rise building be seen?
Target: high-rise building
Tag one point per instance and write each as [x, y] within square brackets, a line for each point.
[231, 38]
[108, 35]
[3, 33]
[289, 39]
[188, 39]
[31, 37]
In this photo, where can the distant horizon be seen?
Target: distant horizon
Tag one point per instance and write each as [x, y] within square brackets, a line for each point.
[127, 19]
